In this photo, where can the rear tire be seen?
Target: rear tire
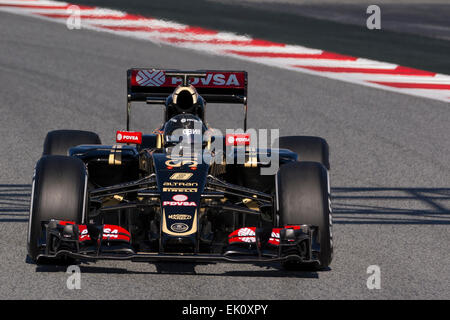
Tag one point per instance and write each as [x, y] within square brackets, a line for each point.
[59, 192]
[303, 198]
[307, 148]
[58, 142]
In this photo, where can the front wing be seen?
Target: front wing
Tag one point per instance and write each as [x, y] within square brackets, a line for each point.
[110, 242]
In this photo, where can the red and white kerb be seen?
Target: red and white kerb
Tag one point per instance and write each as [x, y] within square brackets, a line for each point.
[377, 74]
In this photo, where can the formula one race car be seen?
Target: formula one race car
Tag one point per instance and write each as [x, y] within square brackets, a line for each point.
[185, 192]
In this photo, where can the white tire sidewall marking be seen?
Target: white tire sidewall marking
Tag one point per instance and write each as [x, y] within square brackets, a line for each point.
[30, 218]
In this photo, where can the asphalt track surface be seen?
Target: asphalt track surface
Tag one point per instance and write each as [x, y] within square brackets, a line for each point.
[318, 25]
[389, 157]
[427, 18]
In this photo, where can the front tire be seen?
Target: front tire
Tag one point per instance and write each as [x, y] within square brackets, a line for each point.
[58, 142]
[59, 192]
[307, 148]
[303, 198]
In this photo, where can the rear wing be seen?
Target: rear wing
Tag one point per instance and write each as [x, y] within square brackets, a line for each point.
[154, 85]
[215, 86]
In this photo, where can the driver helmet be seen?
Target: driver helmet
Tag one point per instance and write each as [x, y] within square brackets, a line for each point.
[185, 130]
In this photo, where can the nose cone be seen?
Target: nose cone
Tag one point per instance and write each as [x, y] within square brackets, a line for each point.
[181, 181]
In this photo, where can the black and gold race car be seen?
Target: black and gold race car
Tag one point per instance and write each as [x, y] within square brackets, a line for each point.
[186, 192]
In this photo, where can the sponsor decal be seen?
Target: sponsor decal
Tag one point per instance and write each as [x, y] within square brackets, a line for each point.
[150, 78]
[180, 200]
[157, 78]
[249, 235]
[183, 120]
[179, 204]
[84, 234]
[166, 229]
[112, 232]
[180, 184]
[180, 216]
[191, 131]
[181, 176]
[237, 139]
[176, 163]
[246, 234]
[226, 79]
[180, 190]
[180, 197]
[179, 227]
[129, 137]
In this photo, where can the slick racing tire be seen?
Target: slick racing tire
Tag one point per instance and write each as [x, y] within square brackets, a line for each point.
[59, 192]
[303, 197]
[58, 142]
[307, 148]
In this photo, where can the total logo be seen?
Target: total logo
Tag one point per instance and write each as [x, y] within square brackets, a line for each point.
[179, 200]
